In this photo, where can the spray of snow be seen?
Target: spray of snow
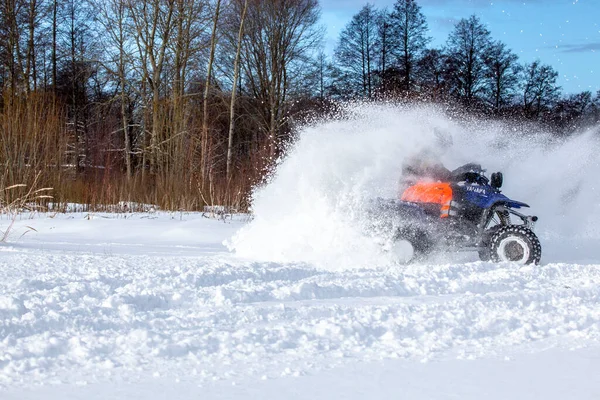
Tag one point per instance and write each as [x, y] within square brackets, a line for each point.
[310, 209]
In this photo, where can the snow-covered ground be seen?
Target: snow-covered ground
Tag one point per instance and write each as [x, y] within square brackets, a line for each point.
[153, 306]
[300, 303]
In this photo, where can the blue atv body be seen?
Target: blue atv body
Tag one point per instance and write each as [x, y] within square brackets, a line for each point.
[481, 218]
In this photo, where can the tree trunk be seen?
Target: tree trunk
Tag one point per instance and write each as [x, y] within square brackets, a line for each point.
[369, 93]
[122, 77]
[236, 69]
[30, 63]
[54, 29]
[213, 44]
[74, 87]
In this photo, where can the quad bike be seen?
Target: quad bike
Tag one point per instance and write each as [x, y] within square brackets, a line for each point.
[468, 212]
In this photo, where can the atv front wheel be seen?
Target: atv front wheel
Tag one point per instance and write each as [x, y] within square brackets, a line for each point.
[515, 243]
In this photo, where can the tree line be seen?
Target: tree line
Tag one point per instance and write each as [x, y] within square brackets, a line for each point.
[173, 102]
[386, 54]
[183, 103]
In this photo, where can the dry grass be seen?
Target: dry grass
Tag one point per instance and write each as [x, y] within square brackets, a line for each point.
[38, 151]
[18, 198]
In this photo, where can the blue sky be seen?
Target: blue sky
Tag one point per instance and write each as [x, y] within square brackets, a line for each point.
[562, 33]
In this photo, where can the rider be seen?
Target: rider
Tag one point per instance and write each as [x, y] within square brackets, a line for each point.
[424, 165]
[425, 179]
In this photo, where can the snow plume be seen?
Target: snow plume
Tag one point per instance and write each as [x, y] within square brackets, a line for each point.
[310, 209]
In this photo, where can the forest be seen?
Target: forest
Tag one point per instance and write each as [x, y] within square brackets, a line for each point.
[187, 103]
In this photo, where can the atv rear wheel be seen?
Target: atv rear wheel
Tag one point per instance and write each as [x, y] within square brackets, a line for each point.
[484, 254]
[411, 244]
[515, 243]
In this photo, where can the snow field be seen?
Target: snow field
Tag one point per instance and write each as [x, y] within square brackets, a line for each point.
[68, 317]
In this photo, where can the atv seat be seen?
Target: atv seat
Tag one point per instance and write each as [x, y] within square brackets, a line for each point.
[435, 196]
[467, 173]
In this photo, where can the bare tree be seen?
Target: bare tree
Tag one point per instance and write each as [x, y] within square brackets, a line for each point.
[153, 22]
[502, 72]
[113, 15]
[279, 36]
[540, 91]
[356, 52]
[75, 46]
[573, 111]
[410, 38]
[385, 46]
[192, 18]
[467, 45]
[10, 13]
[54, 43]
[323, 69]
[432, 72]
[213, 45]
[34, 15]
